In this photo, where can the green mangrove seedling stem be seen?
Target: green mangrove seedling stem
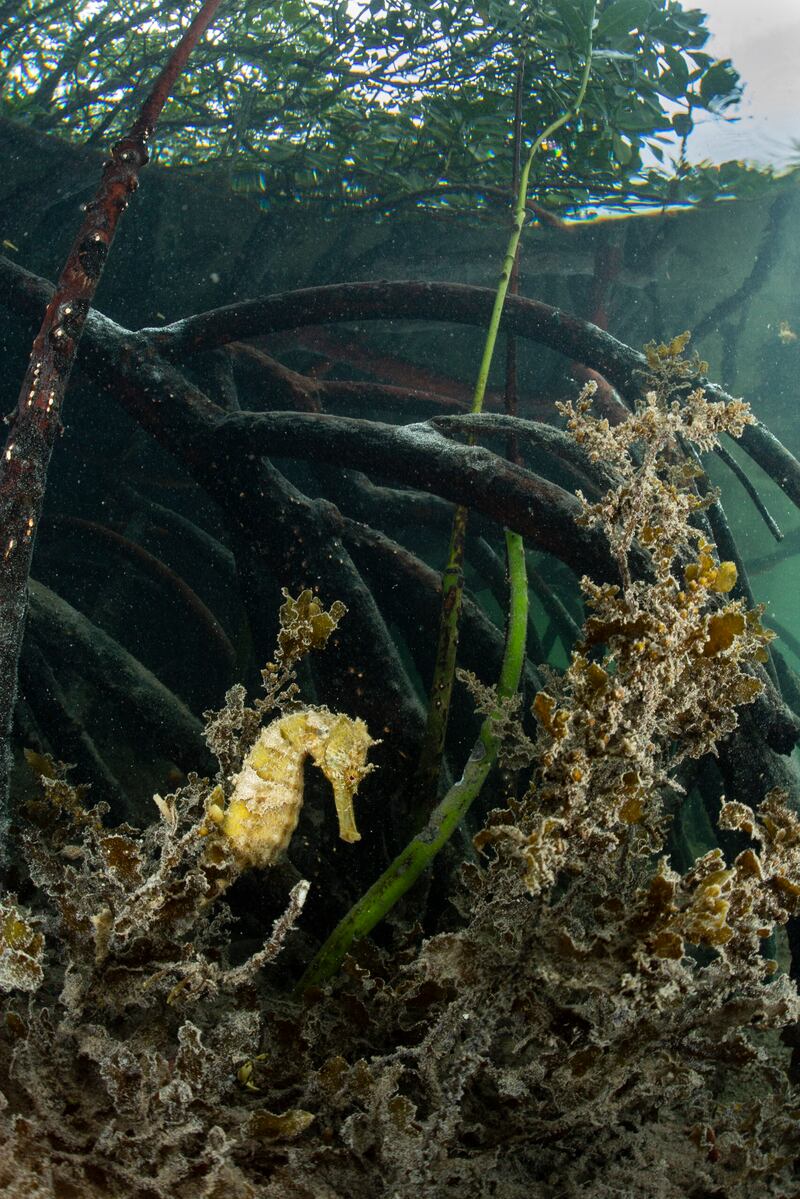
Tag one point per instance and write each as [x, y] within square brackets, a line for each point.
[453, 575]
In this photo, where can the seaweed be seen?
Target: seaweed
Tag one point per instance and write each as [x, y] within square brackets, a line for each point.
[593, 1018]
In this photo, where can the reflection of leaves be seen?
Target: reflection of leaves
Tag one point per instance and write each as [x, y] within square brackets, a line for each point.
[719, 86]
[706, 182]
[337, 103]
[682, 123]
[678, 69]
[621, 17]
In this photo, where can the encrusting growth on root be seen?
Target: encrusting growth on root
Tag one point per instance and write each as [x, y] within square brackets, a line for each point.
[665, 660]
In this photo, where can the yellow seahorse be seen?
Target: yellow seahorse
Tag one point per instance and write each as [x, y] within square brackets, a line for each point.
[267, 796]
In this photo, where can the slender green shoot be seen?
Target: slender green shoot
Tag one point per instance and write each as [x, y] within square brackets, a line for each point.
[519, 221]
[429, 766]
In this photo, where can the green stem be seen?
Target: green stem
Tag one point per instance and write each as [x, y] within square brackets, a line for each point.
[427, 775]
[448, 814]
[519, 222]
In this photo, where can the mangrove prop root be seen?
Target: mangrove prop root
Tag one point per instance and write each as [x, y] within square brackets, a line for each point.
[457, 303]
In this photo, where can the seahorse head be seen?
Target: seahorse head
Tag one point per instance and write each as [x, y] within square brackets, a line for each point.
[341, 755]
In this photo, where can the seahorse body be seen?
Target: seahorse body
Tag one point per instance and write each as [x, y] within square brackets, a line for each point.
[267, 795]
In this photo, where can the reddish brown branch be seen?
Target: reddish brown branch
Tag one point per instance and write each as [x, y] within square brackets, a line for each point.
[335, 348]
[288, 389]
[37, 418]
[145, 123]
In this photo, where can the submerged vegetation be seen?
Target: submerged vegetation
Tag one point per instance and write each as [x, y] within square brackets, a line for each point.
[567, 1031]
[567, 963]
